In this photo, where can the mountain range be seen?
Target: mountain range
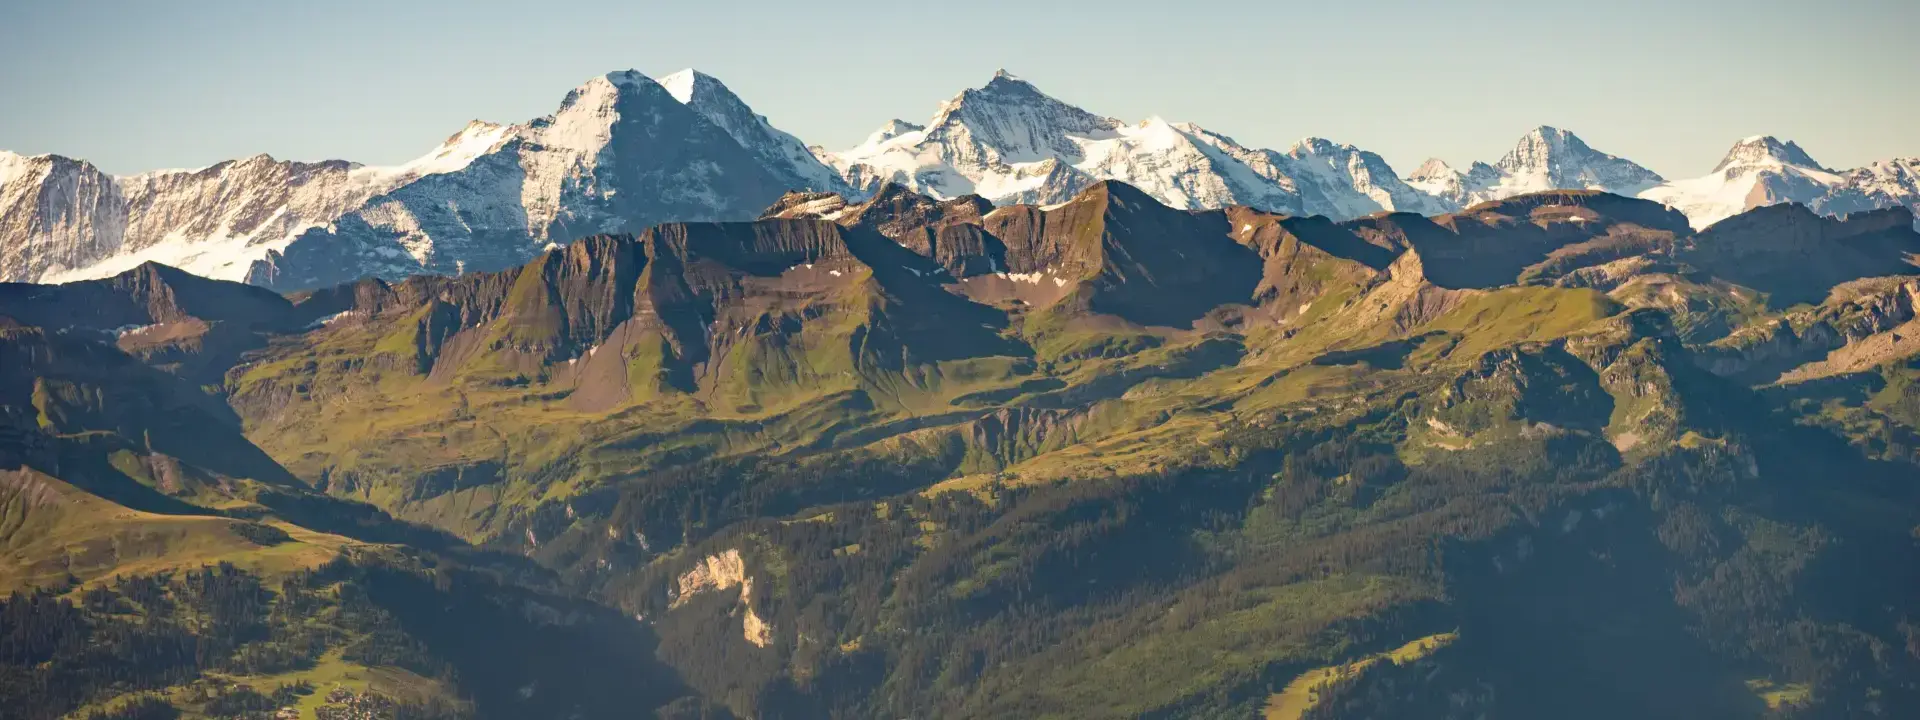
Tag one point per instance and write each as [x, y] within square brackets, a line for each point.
[915, 456]
[625, 151]
[646, 409]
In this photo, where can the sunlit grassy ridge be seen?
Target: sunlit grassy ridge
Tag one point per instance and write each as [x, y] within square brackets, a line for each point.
[1299, 695]
[51, 533]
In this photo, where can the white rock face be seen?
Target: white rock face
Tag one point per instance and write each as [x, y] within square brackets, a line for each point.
[716, 572]
[719, 572]
[754, 629]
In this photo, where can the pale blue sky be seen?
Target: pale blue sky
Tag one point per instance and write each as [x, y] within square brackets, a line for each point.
[139, 85]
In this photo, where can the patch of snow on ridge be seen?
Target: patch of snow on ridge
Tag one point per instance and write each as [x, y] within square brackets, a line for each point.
[330, 319]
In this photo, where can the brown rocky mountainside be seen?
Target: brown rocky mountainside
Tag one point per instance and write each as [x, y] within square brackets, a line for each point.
[1797, 256]
[938, 279]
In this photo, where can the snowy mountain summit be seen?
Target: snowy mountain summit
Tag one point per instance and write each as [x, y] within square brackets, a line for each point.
[1009, 142]
[621, 153]
[1762, 170]
[1546, 158]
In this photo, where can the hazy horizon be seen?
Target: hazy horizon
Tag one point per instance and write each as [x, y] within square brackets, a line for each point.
[154, 87]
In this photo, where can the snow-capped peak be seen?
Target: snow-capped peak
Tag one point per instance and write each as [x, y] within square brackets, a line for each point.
[1433, 169]
[893, 129]
[1315, 146]
[620, 153]
[1012, 143]
[1545, 158]
[681, 84]
[1016, 118]
[1540, 147]
[1766, 149]
[1757, 171]
[1548, 158]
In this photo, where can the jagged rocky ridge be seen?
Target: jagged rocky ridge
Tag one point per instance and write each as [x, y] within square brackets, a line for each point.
[935, 268]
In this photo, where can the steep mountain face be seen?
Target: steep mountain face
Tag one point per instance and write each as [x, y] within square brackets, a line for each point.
[1342, 181]
[1554, 159]
[73, 222]
[55, 213]
[783, 155]
[622, 152]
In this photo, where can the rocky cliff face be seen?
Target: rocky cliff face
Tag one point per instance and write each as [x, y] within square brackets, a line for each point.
[1798, 256]
[55, 213]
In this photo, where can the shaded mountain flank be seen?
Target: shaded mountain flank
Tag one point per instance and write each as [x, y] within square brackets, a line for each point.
[1557, 454]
